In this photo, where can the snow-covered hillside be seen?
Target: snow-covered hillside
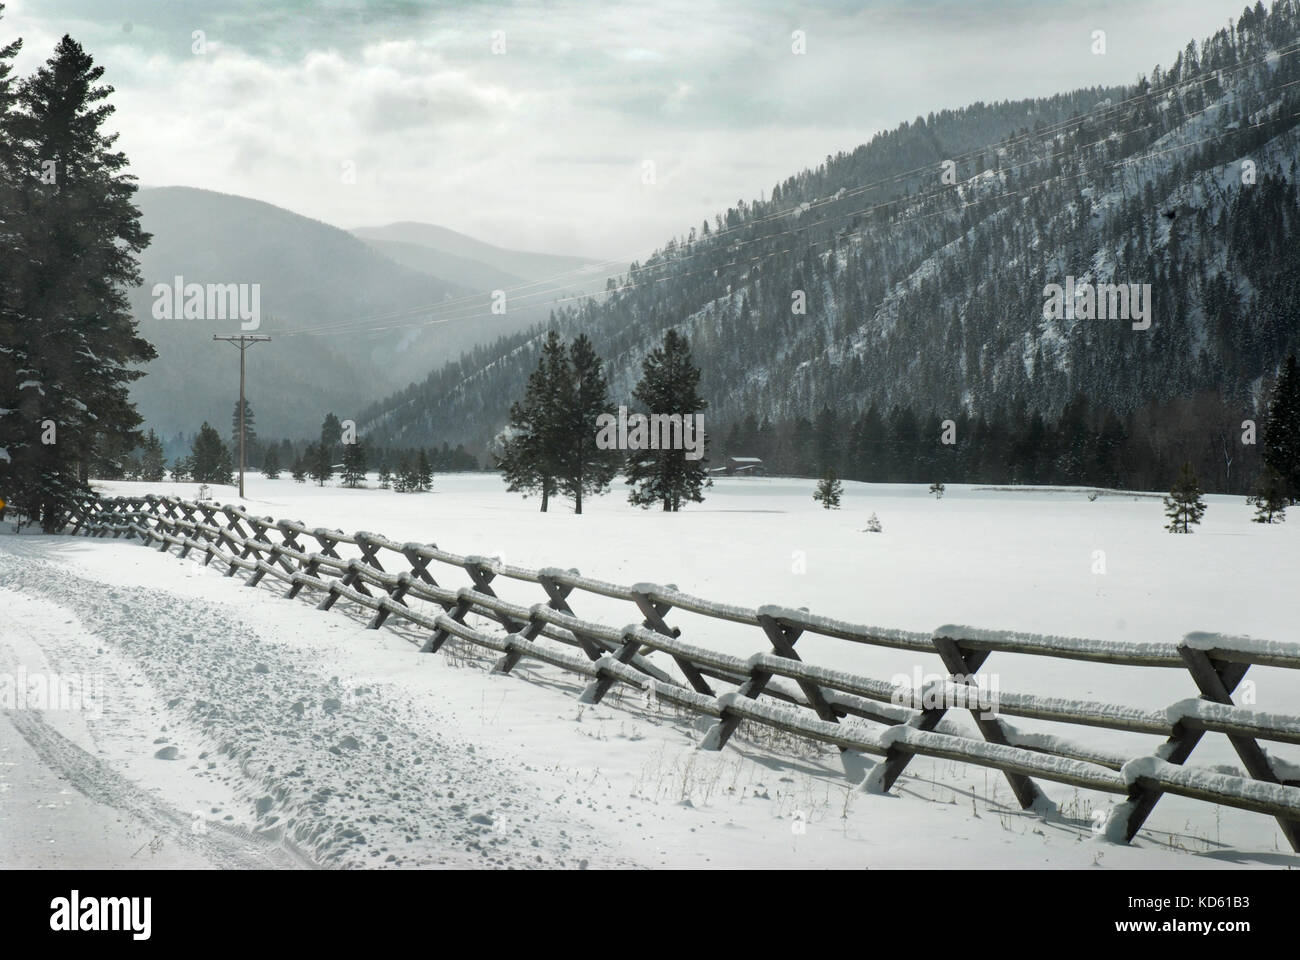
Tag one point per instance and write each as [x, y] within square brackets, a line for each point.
[929, 293]
[228, 714]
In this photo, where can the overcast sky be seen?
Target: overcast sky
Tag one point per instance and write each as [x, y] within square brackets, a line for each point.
[544, 146]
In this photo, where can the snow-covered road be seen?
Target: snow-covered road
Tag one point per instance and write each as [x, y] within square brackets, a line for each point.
[201, 706]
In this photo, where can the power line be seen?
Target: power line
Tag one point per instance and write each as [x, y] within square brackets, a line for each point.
[243, 342]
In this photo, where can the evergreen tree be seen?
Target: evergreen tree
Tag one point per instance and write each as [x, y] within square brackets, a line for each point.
[14, 158]
[300, 469]
[423, 472]
[829, 489]
[938, 489]
[250, 434]
[411, 475]
[669, 384]
[182, 469]
[70, 235]
[320, 462]
[1269, 498]
[354, 464]
[210, 458]
[1282, 429]
[108, 462]
[385, 473]
[1184, 506]
[530, 457]
[873, 525]
[585, 469]
[271, 463]
[405, 476]
[153, 466]
[331, 431]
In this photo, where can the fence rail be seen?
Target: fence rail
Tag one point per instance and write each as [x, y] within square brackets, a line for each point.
[808, 700]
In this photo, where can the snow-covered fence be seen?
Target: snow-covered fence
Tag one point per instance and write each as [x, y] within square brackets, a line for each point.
[852, 712]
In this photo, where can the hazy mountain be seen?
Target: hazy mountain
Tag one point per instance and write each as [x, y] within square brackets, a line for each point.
[522, 288]
[924, 284]
[457, 248]
[314, 278]
[436, 263]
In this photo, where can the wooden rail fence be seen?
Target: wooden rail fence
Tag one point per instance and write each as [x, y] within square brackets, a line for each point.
[777, 689]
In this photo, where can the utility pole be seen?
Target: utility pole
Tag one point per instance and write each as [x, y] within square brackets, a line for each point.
[243, 342]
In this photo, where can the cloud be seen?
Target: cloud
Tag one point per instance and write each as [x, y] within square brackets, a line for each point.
[543, 147]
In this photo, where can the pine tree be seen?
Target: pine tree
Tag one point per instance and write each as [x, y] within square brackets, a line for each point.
[1282, 430]
[873, 524]
[406, 476]
[829, 489]
[938, 489]
[15, 167]
[1184, 506]
[210, 458]
[354, 464]
[153, 466]
[271, 463]
[300, 469]
[585, 469]
[669, 384]
[423, 473]
[250, 434]
[385, 473]
[529, 460]
[70, 235]
[410, 474]
[320, 462]
[1269, 498]
[331, 432]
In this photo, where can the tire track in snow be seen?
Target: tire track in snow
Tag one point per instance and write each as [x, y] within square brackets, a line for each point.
[353, 777]
[220, 844]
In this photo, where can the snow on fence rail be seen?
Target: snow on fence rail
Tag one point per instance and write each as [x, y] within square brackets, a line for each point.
[823, 704]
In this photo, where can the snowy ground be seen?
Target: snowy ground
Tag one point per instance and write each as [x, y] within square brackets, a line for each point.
[233, 721]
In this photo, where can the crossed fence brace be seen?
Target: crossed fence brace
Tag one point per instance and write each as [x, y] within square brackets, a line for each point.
[1216, 673]
[244, 541]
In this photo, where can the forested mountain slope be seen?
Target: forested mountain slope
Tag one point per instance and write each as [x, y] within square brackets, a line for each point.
[930, 294]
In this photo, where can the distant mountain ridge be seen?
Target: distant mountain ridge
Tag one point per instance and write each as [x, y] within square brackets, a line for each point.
[437, 263]
[320, 288]
[522, 264]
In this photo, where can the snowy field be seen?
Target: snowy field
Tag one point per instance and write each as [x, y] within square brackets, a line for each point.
[233, 720]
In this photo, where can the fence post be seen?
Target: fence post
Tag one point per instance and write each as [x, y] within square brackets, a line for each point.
[1216, 679]
[653, 612]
